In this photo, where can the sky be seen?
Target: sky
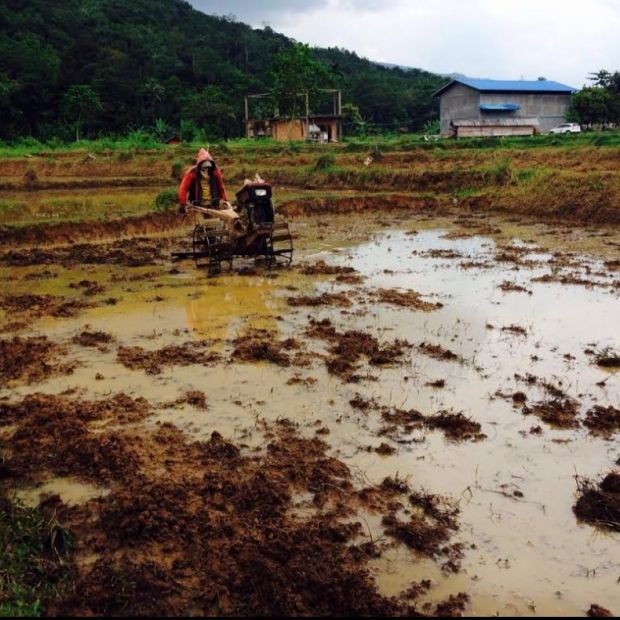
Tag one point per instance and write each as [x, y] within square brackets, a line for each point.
[499, 39]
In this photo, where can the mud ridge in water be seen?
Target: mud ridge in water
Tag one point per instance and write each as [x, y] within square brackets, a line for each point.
[436, 351]
[36, 306]
[32, 359]
[324, 299]
[68, 232]
[152, 362]
[405, 299]
[322, 268]
[348, 348]
[599, 504]
[557, 412]
[216, 534]
[400, 423]
[136, 252]
[53, 438]
[262, 345]
[604, 421]
[92, 339]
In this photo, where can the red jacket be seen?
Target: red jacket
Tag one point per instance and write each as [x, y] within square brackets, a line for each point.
[191, 185]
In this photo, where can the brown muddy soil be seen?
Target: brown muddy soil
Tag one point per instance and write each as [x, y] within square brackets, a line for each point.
[436, 351]
[400, 423]
[604, 421]
[558, 412]
[347, 349]
[93, 339]
[596, 611]
[405, 299]
[322, 268]
[31, 359]
[153, 362]
[185, 540]
[324, 299]
[36, 306]
[262, 345]
[511, 287]
[605, 358]
[455, 426]
[136, 252]
[53, 438]
[599, 504]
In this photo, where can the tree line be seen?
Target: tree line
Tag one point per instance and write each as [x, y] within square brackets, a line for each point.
[598, 104]
[89, 68]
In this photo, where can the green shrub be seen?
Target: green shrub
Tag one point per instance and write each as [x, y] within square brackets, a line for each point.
[376, 153]
[325, 161]
[165, 199]
[177, 170]
[123, 156]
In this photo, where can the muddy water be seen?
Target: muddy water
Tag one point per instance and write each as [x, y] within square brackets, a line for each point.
[524, 555]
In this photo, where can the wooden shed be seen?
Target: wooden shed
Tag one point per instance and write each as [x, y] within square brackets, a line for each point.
[319, 125]
[315, 129]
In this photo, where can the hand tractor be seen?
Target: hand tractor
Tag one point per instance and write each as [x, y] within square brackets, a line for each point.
[247, 228]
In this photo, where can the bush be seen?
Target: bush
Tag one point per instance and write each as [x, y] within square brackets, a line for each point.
[325, 161]
[376, 153]
[165, 199]
[124, 156]
[177, 170]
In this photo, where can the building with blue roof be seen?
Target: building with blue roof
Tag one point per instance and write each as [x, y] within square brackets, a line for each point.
[473, 107]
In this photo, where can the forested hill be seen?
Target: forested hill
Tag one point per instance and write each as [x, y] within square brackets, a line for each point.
[143, 60]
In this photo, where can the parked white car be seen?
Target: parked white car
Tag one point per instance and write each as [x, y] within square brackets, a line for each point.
[566, 128]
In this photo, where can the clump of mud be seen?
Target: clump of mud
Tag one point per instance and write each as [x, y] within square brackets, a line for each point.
[596, 611]
[221, 537]
[195, 398]
[603, 421]
[515, 329]
[135, 252]
[262, 345]
[600, 504]
[605, 358]
[557, 412]
[406, 299]
[436, 351]
[53, 437]
[36, 306]
[92, 339]
[455, 426]
[400, 423]
[440, 253]
[32, 359]
[509, 287]
[348, 348]
[152, 362]
[322, 268]
[88, 287]
[324, 299]
[429, 527]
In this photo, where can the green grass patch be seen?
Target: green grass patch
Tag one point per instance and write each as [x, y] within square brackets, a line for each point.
[166, 199]
[325, 161]
[35, 559]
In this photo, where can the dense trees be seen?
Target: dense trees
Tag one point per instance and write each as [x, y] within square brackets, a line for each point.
[598, 104]
[142, 63]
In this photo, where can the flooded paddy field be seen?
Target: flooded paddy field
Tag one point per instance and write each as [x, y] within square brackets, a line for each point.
[405, 421]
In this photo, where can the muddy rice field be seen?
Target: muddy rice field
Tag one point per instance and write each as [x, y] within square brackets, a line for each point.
[419, 417]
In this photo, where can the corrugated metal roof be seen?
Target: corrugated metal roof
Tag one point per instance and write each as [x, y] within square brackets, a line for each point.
[499, 107]
[496, 122]
[511, 86]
